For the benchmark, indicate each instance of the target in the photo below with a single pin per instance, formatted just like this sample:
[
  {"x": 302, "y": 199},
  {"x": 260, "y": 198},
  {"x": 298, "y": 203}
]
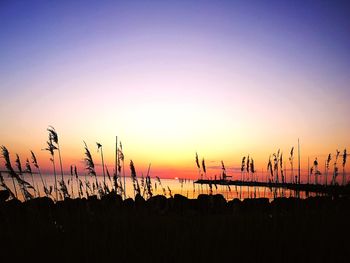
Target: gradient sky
[{"x": 224, "y": 78}]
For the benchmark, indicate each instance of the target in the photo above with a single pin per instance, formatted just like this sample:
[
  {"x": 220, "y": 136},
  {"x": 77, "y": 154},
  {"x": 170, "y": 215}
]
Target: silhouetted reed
[
  {"x": 335, "y": 168},
  {"x": 21, "y": 182},
  {"x": 90, "y": 167},
  {"x": 199, "y": 167},
  {"x": 344, "y": 163},
  {"x": 160, "y": 183},
  {"x": 291, "y": 160},
  {"x": 99, "y": 146},
  {"x": 269, "y": 168},
  {"x": 29, "y": 171},
  {"x": 327, "y": 167},
  {"x": 204, "y": 168},
  {"x": 134, "y": 179},
  {"x": 4, "y": 185},
  {"x": 242, "y": 168}
]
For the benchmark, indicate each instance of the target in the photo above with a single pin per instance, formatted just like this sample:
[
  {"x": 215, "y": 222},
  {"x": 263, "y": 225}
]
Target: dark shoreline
[
  {"x": 207, "y": 229},
  {"x": 332, "y": 190}
]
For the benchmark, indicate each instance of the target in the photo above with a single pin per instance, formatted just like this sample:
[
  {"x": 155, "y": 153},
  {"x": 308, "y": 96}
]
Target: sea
[{"x": 159, "y": 186}]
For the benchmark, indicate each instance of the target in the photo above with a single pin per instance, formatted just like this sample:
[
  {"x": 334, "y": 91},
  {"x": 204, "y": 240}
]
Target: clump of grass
[
  {"x": 248, "y": 167},
  {"x": 291, "y": 160},
  {"x": 90, "y": 167},
  {"x": 335, "y": 168},
  {"x": 344, "y": 163},
  {"x": 26, "y": 194},
  {"x": 160, "y": 183},
  {"x": 204, "y": 168},
  {"x": 99, "y": 146},
  {"x": 242, "y": 168},
  {"x": 224, "y": 175},
  {"x": 4, "y": 185},
  {"x": 198, "y": 166},
  {"x": 21, "y": 182},
  {"x": 170, "y": 194},
  {"x": 252, "y": 168},
  {"x": 29, "y": 171},
  {"x": 121, "y": 160},
  {"x": 269, "y": 168},
  {"x": 47, "y": 191},
  {"x": 327, "y": 167},
  {"x": 134, "y": 179},
  {"x": 51, "y": 149},
  {"x": 148, "y": 186},
  {"x": 281, "y": 168}
]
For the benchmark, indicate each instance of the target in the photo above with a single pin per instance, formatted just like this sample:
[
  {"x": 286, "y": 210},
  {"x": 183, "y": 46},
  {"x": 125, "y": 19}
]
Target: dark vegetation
[
  {"x": 102, "y": 224},
  {"x": 175, "y": 229}
]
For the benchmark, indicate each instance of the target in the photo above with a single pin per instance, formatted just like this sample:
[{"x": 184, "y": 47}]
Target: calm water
[{"x": 176, "y": 186}]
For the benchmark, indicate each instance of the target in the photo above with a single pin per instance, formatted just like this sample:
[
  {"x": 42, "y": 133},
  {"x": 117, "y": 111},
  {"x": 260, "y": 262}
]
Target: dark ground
[{"x": 207, "y": 229}]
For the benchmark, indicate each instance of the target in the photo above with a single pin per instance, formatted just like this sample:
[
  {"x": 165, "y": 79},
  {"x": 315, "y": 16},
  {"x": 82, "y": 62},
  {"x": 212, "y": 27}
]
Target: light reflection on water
[{"x": 184, "y": 187}]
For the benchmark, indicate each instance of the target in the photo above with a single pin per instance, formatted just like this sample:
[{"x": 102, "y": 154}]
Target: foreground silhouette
[{"x": 175, "y": 229}]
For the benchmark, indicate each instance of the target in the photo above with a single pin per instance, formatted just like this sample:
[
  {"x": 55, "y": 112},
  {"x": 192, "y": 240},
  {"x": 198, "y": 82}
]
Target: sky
[{"x": 172, "y": 78}]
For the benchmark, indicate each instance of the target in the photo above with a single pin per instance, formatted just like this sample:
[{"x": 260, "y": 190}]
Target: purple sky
[{"x": 221, "y": 77}]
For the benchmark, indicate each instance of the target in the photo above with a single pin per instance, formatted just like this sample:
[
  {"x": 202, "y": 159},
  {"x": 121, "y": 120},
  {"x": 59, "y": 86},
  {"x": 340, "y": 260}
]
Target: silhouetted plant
[
  {"x": 291, "y": 159},
  {"x": 247, "y": 168},
  {"x": 199, "y": 167},
  {"x": 134, "y": 179},
  {"x": 314, "y": 169},
  {"x": 26, "y": 194},
  {"x": 148, "y": 183},
  {"x": 269, "y": 168},
  {"x": 4, "y": 185},
  {"x": 160, "y": 183},
  {"x": 281, "y": 168},
  {"x": 223, "y": 170},
  {"x": 51, "y": 149},
  {"x": 121, "y": 160},
  {"x": 204, "y": 168},
  {"x": 29, "y": 171},
  {"x": 21, "y": 182},
  {"x": 335, "y": 168},
  {"x": 47, "y": 191},
  {"x": 90, "y": 167},
  {"x": 252, "y": 168},
  {"x": 344, "y": 163},
  {"x": 242, "y": 168},
  {"x": 327, "y": 166},
  {"x": 170, "y": 194},
  {"x": 99, "y": 146}
]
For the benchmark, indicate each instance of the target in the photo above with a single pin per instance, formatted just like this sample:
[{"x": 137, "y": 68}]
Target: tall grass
[
  {"x": 47, "y": 191},
  {"x": 121, "y": 158},
  {"x": 29, "y": 171},
  {"x": 269, "y": 168},
  {"x": 21, "y": 182},
  {"x": 90, "y": 167},
  {"x": 198, "y": 166},
  {"x": 247, "y": 168},
  {"x": 242, "y": 168},
  {"x": 134, "y": 179},
  {"x": 252, "y": 168},
  {"x": 291, "y": 161},
  {"x": 204, "y": 168},
  {"x": 51, "y": 149},
  {"x": 4, "y": 185},
  {"x": 335, "y": 167},
  {"x": 344, "y": 163},
  {"x": 224, "y": 175},
  {"x": 327, "y": 167}
]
